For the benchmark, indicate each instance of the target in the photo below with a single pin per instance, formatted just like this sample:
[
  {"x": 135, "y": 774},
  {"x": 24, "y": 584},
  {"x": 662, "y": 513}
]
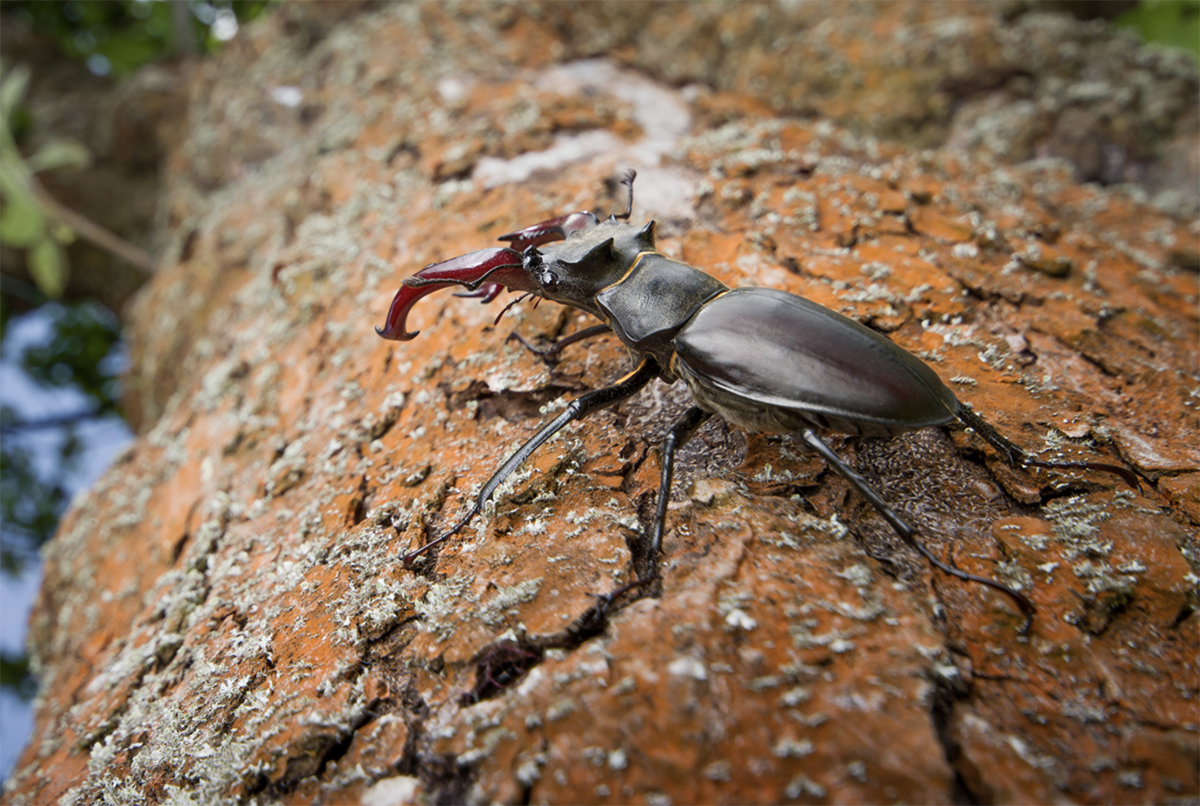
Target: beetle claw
[
  {"x": 555, "y": 229},
  {"x": 483, "y": 274},
  {"x": 485, "y": 293}
]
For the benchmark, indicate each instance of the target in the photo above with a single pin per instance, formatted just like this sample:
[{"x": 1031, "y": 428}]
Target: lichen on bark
[{"x": 225, "y": 617}]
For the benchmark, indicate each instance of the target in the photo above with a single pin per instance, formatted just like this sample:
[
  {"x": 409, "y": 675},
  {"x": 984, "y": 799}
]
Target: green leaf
[
  {"x": 11, "y": 89},
  {"x": 61, "y": 232},
  {"x": 59, "y": 153},
  {"x": 48, "y": 265},
  {"x": 1167, "y": 22},
  {"x": 22, "y": 223},
  {"x": 129, "y": 50},
  {"x": 12, "y": 177},
  {"x": 15, "y": 675}
]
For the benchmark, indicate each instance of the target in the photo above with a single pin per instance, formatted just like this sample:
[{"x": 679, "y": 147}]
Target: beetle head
[{"x": 574, "y": 271}]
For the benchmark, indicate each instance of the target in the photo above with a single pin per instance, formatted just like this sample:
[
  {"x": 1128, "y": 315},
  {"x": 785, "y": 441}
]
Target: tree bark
[{"x": 225, "y": 616}]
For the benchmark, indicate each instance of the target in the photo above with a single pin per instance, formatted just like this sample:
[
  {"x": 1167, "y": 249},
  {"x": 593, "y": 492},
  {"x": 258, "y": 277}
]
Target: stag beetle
[{"x": 763, "y": 359}]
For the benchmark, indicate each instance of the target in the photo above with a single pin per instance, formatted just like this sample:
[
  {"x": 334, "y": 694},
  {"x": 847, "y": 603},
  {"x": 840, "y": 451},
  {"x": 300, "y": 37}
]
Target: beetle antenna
[
  {"x": 500, "y": 315},
  {"x": 627, "y": 181}
]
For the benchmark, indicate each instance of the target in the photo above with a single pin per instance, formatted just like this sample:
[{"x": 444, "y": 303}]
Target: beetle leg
[
  {"x": 1018, "y": 458},
  {"x": 550, "y": 354},
  {"x": 681, "y": 432},
  {"x": 627, "y": 181},
  {"x": 577, "y": 409},
  {"x": 907, "y": 532}
]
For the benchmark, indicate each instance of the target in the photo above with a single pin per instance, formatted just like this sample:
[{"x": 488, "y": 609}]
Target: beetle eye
[{"x": 549, "y": 280}]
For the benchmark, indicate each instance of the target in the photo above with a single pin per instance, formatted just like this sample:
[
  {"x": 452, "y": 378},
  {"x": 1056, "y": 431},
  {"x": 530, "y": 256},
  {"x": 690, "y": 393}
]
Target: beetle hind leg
[
  {"x": 908, "y": 533},
  {"x": 1019, "y": 458}
]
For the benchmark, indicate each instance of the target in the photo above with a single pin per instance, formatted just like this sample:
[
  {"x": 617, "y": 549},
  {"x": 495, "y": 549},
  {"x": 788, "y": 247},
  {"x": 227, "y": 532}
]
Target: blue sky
[{"x": 102, "y": 440}]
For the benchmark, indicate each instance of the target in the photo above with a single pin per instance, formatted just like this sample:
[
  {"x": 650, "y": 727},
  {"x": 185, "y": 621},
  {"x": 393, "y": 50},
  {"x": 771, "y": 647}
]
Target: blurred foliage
[
  {"x": 29, "y": 505},
  {"x": 1167, "y": 22},
  {"x": 24, "y": 223},
  {"x": 119, "y": 37},
  {"x": 15, "y": 675},
  {"x": 82, "y": 355},
  {"x": 85, "y": 335}
]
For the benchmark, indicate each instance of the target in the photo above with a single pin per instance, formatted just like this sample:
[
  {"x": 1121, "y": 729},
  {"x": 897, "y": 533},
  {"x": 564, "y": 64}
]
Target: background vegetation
[
  {"x": 1175, "y": 23},
  {"x": 80, "y": 355},
  {"x": 119, "y": 37}
]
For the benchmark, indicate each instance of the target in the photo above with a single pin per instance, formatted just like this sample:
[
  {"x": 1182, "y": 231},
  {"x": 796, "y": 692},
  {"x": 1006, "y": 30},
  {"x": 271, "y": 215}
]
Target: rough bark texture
[{"x": 224, "y": 617}]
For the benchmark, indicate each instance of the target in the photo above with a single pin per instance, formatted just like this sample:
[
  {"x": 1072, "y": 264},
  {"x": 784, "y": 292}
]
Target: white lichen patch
[
  {"x": 788, "y": 747},
  {"x": 688, "y": 666},
  {"x": 868, "y": 611},
  {"x": 1100, "y": 578},
  {"x": 795, "y": 696},
  {"x": 738, "y": 619},
  {"x": 801, "y": 786},
  {"x": 858, "y": 575},
  {"x": 1074, "y": 522},
  {"x": 504, "y": 602},
  {"x": 561, "y": 709},
  {"x": 836, "y": 640},
  {"x": 442, "y": 604}
]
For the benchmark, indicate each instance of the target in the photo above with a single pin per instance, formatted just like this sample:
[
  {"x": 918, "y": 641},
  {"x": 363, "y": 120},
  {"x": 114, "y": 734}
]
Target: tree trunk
[{"x": 225, "y": 617}]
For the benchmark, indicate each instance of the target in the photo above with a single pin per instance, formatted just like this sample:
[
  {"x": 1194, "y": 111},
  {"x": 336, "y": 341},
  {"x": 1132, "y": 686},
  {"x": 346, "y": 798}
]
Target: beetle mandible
[{"x": 763, "y": 359}]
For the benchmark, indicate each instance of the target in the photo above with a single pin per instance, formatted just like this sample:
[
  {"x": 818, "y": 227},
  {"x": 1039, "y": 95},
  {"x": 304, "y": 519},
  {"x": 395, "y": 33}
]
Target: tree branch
[
  {"x": 54, "y": 421},
  {"x": 91, "y": 231}
]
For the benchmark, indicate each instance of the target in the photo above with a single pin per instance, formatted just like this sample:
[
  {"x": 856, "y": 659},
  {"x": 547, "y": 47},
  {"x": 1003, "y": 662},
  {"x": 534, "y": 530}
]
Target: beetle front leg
[
  {"x": 550, "y": 354},
  {"x": 907, "y": 532},
  {"x": 577, "y": 409}
]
